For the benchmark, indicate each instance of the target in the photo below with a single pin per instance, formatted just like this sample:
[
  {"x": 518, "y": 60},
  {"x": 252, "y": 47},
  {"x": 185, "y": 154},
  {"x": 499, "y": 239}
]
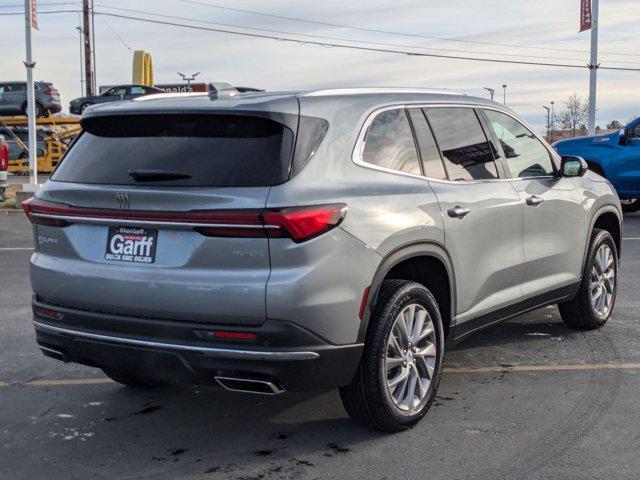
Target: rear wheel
[
  {"x": 592, "y": 306},
  {"x": 630, "y": 205},
  {"x": 37, "y": 110},
  {"x": 131, "y": 379},
  {"x": 401, "y": 365}
]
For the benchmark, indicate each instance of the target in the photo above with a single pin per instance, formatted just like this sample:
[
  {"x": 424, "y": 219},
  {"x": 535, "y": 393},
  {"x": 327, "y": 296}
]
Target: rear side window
[
  {"x": 389, "y": 143},
  {"x": 429, "y": 153},
  {"x": 467, "y": 152},
  {"x": 184, "y": 150}
]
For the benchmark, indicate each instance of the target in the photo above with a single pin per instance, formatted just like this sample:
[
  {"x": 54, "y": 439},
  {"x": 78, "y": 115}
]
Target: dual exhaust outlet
[{"x": 233, "y": 384}]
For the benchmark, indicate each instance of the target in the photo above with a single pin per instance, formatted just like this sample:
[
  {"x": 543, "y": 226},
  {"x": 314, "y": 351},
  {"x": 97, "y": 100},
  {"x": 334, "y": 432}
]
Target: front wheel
[
  {"x": 401, "y": 365},
  {"x": 630, "y": 205},
  {"x": 593, "y": 304}
]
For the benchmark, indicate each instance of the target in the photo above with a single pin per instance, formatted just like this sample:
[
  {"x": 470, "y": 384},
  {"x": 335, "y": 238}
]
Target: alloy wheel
[
  {"x": 410, "y": 358},
  {"x": 602, "y": 281}
]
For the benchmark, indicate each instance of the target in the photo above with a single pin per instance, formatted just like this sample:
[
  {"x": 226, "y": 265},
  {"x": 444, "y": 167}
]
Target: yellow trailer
[{"x": 55, "y": 145}]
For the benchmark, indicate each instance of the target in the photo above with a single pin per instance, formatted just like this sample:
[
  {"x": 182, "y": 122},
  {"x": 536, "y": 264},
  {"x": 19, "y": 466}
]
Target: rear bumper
[{"x": 286, "y": 355}]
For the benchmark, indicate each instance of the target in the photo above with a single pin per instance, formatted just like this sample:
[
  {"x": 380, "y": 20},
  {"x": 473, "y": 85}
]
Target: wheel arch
[
  {"x": 423, "y": 262},
  {"x": 609, "y": 218}
]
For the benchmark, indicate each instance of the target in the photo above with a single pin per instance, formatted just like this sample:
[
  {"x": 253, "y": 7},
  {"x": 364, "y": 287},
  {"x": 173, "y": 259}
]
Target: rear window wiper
[{"x": 153, "y": 175}]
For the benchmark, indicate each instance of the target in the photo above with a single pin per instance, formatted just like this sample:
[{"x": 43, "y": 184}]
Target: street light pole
[
  {"x": 491, "y": 91},
  {"x": 548, "y": 109},
  {"x": 31, "y": 117},
  {"x": 504, "y": 94},
  {"x": 593, "y": 67}
]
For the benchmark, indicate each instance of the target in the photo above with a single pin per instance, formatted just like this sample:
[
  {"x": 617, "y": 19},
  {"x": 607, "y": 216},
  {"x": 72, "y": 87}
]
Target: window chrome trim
[{"x": 358, "y": 149}]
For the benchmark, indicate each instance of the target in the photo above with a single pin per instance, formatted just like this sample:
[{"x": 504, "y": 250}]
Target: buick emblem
[{"x": 122, "y": 199}]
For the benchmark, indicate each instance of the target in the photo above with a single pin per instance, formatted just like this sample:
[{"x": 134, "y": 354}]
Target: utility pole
[
  {"x": 93, "y": 48},
  {"x": 593, "y": 67},
  {"x": 548, "y": 109},
  {"x": 504, "y": 94},
  {"x": 29, "y": 12},
  {"x": 491, "y": 91},
  {"x": 86, "y": 28}
]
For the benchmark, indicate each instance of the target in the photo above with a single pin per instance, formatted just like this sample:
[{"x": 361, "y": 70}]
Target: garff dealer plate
[{"x": 131, "y": 244}]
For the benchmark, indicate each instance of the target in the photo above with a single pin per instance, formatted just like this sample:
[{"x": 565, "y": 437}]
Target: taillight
[
  {"x": 297, "y": 223},
  {"x": 49, "y": 91},
  {"x": 304, "y": 223},
  {"x": 4, "y": 156},
  {"x": 41, "y": 213}
]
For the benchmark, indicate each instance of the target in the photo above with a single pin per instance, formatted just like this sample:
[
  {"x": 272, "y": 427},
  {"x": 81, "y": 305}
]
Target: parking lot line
[
  {"x": 14, "y": 249},
  {"x": 79, "y": 381},
  {"x": 631, "y": 238},
  {"x": 544, "y": 368},
  {"x": 494, "y": 369}
]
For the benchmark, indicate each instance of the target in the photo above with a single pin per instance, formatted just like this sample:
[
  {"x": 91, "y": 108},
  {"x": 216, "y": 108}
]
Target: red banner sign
[
  {"x": 585, "y": 15},
  {"x": 34, "y": 19}
]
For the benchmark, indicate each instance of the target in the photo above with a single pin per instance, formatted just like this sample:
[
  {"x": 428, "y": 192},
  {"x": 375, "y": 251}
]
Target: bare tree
[
  {"x": 614, "y": 125},
  {"x": 575, "y": 115}
]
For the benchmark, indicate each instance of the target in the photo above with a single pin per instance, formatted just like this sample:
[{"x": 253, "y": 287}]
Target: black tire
[
  {"x": 631, "y": 205},
  {"x": 38, "y": 108},
  {"x": 132, "y": 379},
  {"x": 580, "y": 313},
  {"x": 367, "y": 399}
]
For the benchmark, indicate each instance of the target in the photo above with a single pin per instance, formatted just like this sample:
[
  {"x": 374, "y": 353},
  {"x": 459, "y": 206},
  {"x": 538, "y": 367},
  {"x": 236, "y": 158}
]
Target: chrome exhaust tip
[
  {"x": 53, "y": 353},
  {"x": 249, "y": 385}
]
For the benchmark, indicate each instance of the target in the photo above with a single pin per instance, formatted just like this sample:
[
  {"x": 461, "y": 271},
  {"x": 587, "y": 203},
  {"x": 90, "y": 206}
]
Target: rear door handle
[
  {"x": 534, "y": 200},
  {"x": 458, "y": 212}
]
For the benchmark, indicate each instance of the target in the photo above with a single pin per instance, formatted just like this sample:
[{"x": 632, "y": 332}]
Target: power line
[
  {"x": 342, "y": 39},
  {"x": 389, "y": 32},
  {"x": 354, "y": 47}
]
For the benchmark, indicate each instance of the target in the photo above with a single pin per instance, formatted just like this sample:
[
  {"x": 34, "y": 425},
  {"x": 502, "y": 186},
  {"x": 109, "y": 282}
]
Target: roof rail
[{"x": 369, "y": 90}]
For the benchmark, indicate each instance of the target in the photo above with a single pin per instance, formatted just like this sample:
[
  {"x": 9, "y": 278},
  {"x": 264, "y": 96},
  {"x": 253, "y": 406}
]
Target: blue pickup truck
[{"x": 615, "y": 156}]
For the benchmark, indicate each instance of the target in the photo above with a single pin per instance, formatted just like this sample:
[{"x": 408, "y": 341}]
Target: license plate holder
[{"x": 131, "y": 245}]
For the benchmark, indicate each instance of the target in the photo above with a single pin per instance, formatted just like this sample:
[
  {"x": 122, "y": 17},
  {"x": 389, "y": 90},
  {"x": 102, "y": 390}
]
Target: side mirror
[
  {"x": 624, "y": 138},
  {"x": 573, "y": 166}
]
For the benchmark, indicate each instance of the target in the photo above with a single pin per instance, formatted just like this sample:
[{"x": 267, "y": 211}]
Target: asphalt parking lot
[{"x": 526, "y": 399}]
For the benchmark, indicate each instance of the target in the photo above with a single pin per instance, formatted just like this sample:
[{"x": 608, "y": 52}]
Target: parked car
[
  {"x": 112, "y": 94},
  {"x": 334, "y": 238},
  {"x": 18, "y": 140},
  {"x": 615, "y": 156},
  {"x": 4, "y": 165},
  {"x": 13, "y": 98}
]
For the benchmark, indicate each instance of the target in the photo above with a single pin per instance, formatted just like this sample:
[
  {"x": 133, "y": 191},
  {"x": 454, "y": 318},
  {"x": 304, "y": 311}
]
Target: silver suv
[{"x": 336, "y": 238}]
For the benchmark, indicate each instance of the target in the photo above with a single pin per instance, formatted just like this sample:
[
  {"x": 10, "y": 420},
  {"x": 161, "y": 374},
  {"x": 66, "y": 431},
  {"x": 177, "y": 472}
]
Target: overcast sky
[{"x": 277, "y": 65}]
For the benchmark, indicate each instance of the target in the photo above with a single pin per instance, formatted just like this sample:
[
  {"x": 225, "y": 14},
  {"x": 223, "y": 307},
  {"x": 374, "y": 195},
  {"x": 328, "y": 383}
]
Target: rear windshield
[{"x": 180, "y": 150}]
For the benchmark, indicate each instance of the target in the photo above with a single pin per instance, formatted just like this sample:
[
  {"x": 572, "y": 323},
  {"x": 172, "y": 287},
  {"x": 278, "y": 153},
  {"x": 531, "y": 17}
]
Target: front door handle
[
  {"x": 534, "y": 200},
  {"x": 458, "y": 212}
]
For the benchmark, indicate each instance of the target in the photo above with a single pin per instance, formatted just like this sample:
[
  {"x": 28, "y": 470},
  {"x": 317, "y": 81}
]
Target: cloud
[{"x": 284, "y": 65}]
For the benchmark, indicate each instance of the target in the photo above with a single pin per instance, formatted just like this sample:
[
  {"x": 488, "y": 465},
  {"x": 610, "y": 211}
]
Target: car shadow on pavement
[
  {"x": 529, "y": 328},
  {"x": 198, "y": 430}
]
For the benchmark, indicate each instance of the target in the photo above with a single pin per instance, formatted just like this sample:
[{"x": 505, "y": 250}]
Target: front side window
[
  {"x": 467, "y": 152},
  {"x": 137, "y": 90},
  {"x": 525, "y": 155},
  {"x": 117, "y": 91},
  {"x": 389, "y": 143}
]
